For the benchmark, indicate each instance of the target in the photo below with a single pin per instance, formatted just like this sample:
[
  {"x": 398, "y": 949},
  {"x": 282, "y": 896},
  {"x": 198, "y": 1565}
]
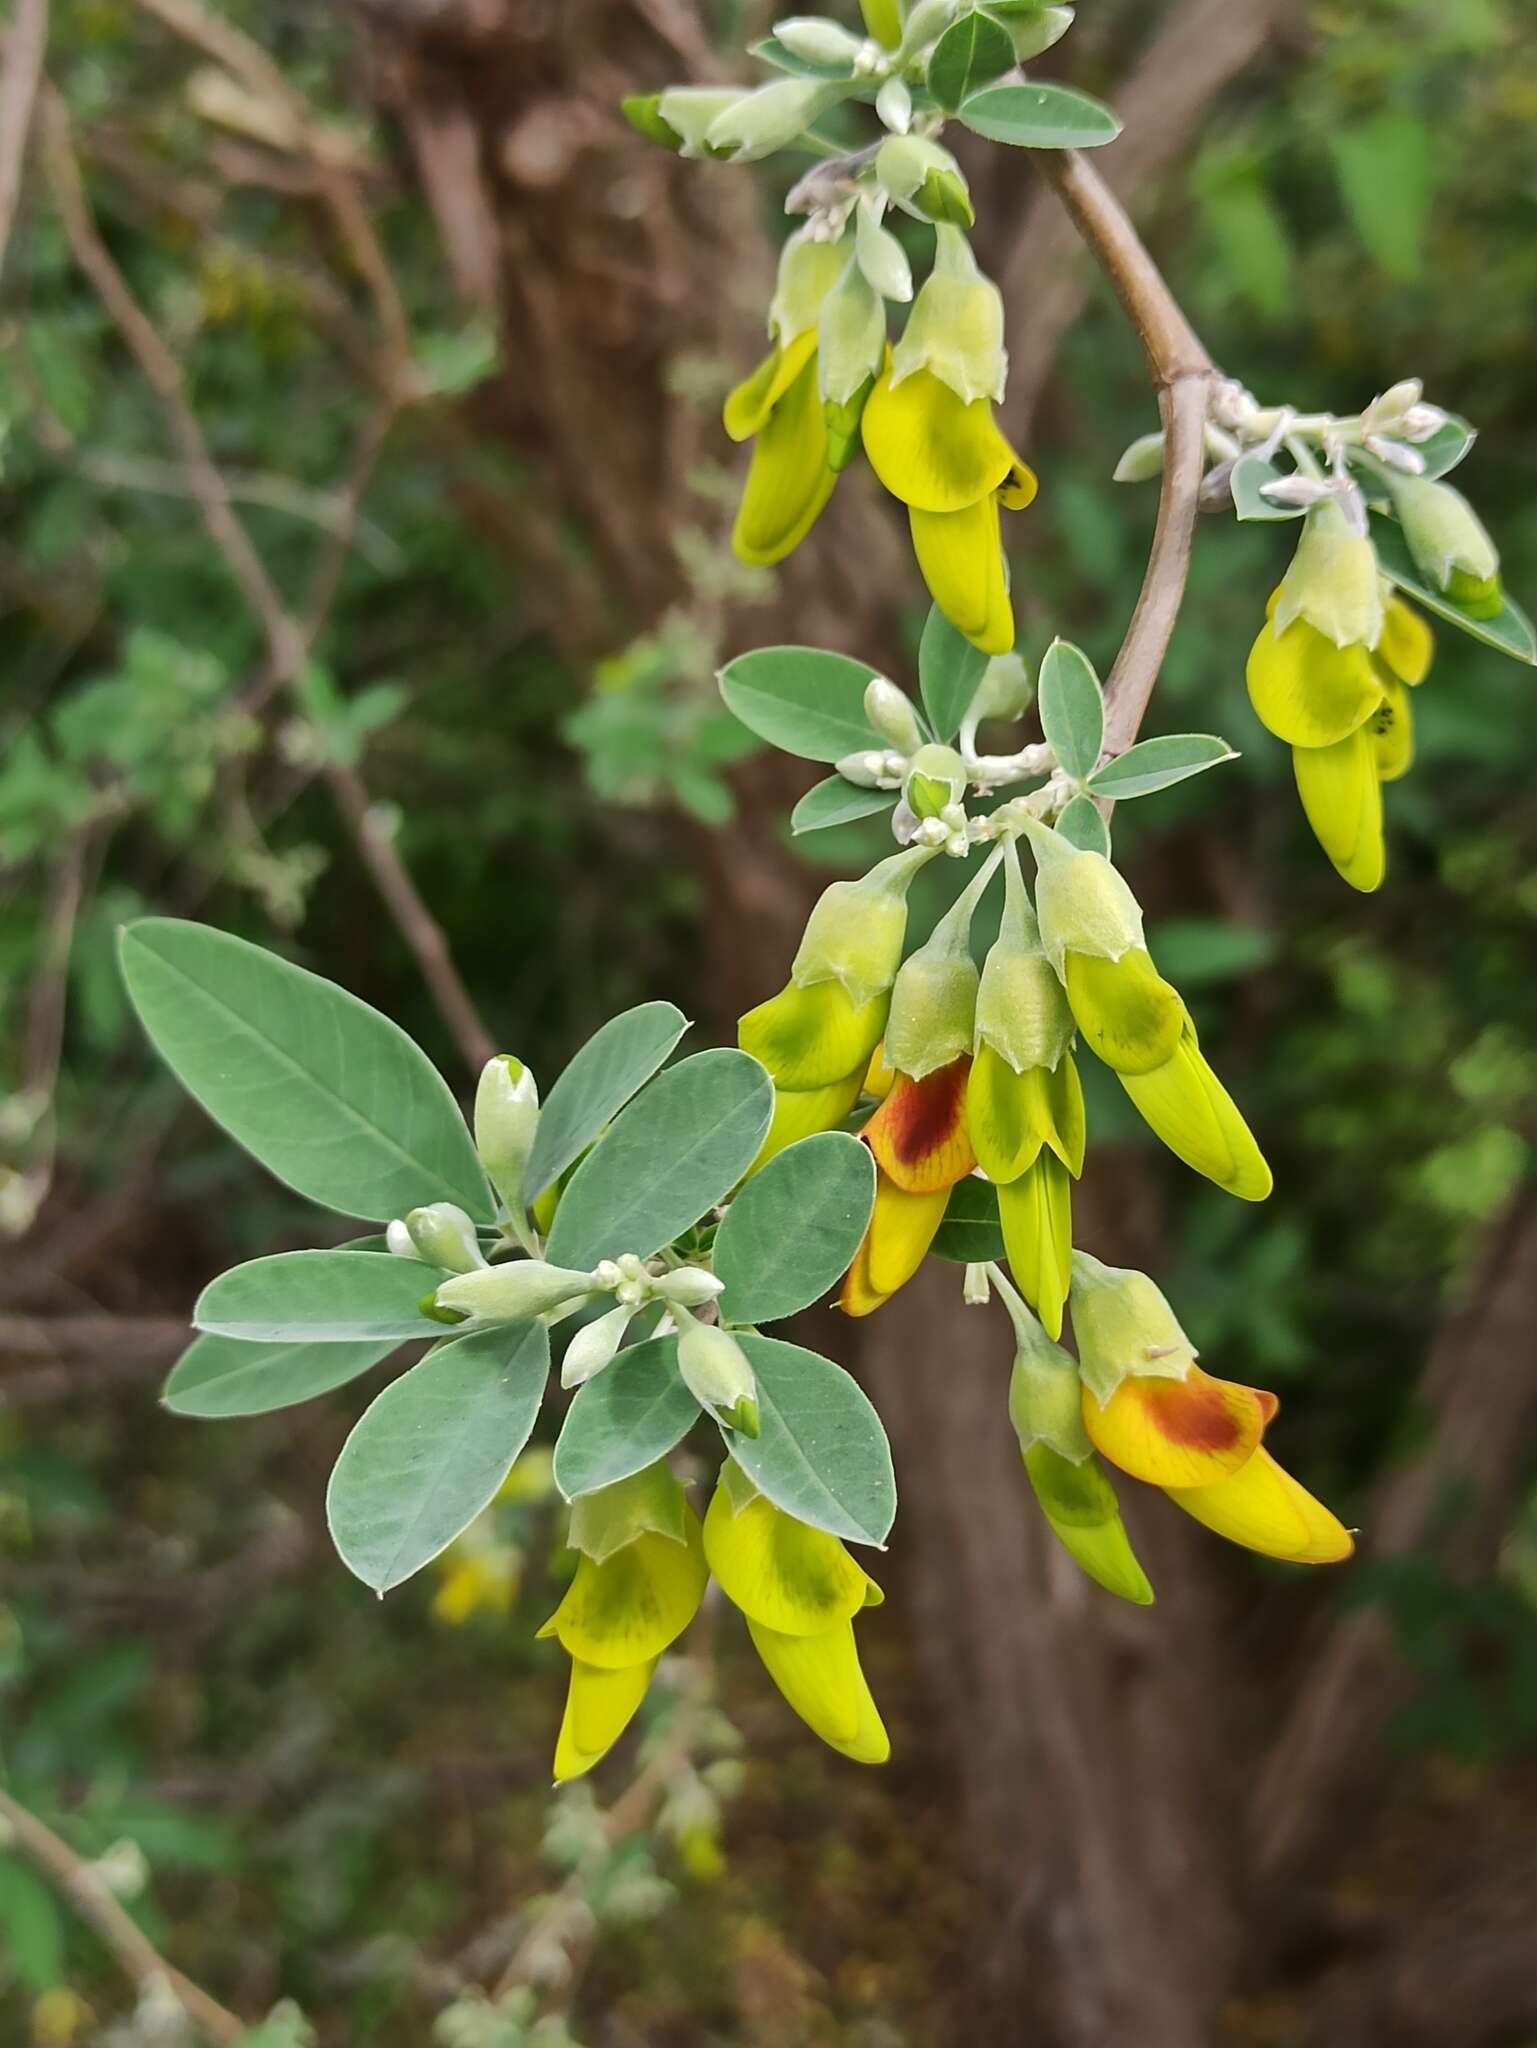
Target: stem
[
  {"x": 25, "y": 45},
  {"x": 1182, "y": 374}
]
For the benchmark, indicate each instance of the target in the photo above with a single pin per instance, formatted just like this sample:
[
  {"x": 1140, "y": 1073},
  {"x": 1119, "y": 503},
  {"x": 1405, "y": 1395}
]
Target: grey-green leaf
[
  {"x": 220, "y": 1376},
  {"x": 618, "y": 1059},
  {"x": 683, "y": 1143},
  {"x": 836, "y": 802},
  {"x": 1510, "y": 630},
  {"x": 950, "y": 672},
  {"x": 821, "y": 1453},
  {"x": 433, "y": 1450},
  {"x": 792, "y": 1232},
  {"x": 802, "y": 700},
  {"x": 633, "y": 1413},
  {"x": 1159, "y": 764},
  {"x": 1072, "y": 709},
  {"x": 321, "y": 1298},
  {"x": 1082, "y": 823},
  {"x": 329, "y": 1095},
  {"x": 970, "y": 1233},
  {"x": 1445, "y": 448},
  {"x": 1246, "y": 481},
  {"x": 1040, "y": 117},
  {"x": 971, "y": 53}
]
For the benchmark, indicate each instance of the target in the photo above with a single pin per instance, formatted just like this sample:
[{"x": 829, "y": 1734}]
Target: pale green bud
[
  {"x": 514, "y": 1292},
  {"x": 891, "y": 712},
  {"x": 928, "y": 20},
  {"x": 688, "y": 1287},
  {"x": 882, "y": 259},
  {"x": 1082, "y": 903},
  {"x": 770, "y": 118},
  {"x": 934, "y": 999},
  {"x": 955, "y": 329},
  {"x": 506, "y": 1118},
  {"x": 688, "y": 110},
  {"x": 851, "y": 338},
  {"x": 649, "y": 1502},
  {"x": 1141, "y": 462},
  {"x": 1124, "y": 1328},
  {"x": 1446, "y": 536},
  {"x": 1045, "y": 1392},
  {"x": 1022, "y": 1008},
  {"x": 864, "y": 770},
  {"x": 400, "y": 1241},
  {"x": 643, "y": 111},
  {"x": 903, "y": 162},
  {"x": 936, "y": 779},
  {"x": 945, "y": 199},
  {"x": 1397, "y": 400},
  {"x": 1333, "y": 581},
  {"x": 854, "y": 934},
  {"x": 808, "y": 271},
  {"x": 594, "y": 1346},
  {"x": 1005, "y": 691},
  {"x": 716, "y": 1372},
  {"x": 894, "y": 106},
  {"x": 444, "y": 1236},
  {"x": 816, "y": 41},
  {"x": 1034, "y": 33}
]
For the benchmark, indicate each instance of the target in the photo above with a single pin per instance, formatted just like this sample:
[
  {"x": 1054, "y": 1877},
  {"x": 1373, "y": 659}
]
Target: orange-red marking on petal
[{"x": 918, "y": 1134}]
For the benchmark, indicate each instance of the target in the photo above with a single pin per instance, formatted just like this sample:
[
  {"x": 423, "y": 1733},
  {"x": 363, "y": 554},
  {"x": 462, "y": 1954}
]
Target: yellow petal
[
  {"x": 801, "y": 1112},
  {"x": 1199, "y": 1121},
  {"x": 960, "y": 556},
  {"x": 918, "y": 1134},
  {"x": 812, "y": 1037},
  {"x": 1125, "y": 1009},
  {"x": 1342, "y": 796},
  {"x": 1308, "y": 691},
  {"x": 1019, "y": 487},
  {"x": 749, "y": 405},
  {"x": 1392, "y": 731},
  {"x": 879, "y": 1078},
  {"x": 1407, "y": 644},
  {"x": 1263, "y": 1508},
  {"x": 781, "y": 1572},
  {"x": 600, "y": 1705},
  {"x": 821, "y": 1677},
  {"x": 1079, "y": 1503},
  {"x": 789, "y": 479},
  {"x": 930, "y": 448},
  {"x": 627, "y": 1609},
  {"x": 1011, "y": 1116},
  {"x": 1036, "y": 1212},
  {"x": 902, "y": 1228},
  {"x": 1170, "y": 1432}
]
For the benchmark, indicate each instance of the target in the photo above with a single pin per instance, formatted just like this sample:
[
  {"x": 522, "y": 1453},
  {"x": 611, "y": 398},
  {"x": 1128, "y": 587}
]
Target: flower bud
[
  {"x": 688, "y": 111},
  {"x": 1397, "y": 400},
  {"x": 925, "y": 178},
  {"x": 506, "y": 1118},
  {"x": 883, "y": 261},
  {"x": 444, "y": 1236},
  {"x": 594, "y": 1346},
  {"x": 864, "y": 770},
  {"x": 716, "y": 1372},
  {"x": 808, "y": 272},
  {"x": 936, "y": 780},
  {"x": 1045, "y": 1393},
  {"x": 1142, "y": 461},
  {"x": 400, "y": 1241},
  {"x": 851, "y": 337},
  {"x": 934, "y": 998},
  {"x": 1448, "y": 542},
  {"x": 930, "y": 18},
  {"x": 770, "y": 117},
  {"x": 1005, "y": 691},
  {"x": 1124, "y": 1328},
  {"x": 955, "y": 329},
  {"x": 1022, "y": 1009},
  {"x": 816, "y": 41},
  {"x": 891, "y": 712},
  {"x": 688, "y": 1287},
  {"x": 883, "y": 21},
  {"x": 854, "y": 934},
  {"x": 1082, "y": 903},
  {"x": 643, "y": 111},
  {"x": 1333, "y": 581},
  {"x": 514, "y": 1292}
]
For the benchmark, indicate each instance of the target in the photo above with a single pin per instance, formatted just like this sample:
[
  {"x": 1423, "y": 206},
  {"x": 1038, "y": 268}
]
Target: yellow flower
[
  {"x": 800, "y": 1590},
  {"x": 921, "y": 1147}
]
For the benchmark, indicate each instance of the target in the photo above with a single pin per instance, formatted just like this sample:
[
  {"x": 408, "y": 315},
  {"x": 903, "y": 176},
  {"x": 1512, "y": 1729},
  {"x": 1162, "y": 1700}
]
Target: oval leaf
[
  {"x": 433, "y": 1450},
  {"x": 617, "y": 1060},
  {"x": 1247, "y": 480},
  {"x": 1083, "y": 825},
  {"x": 802, "y": 700},
  {"x": 321, "y": 1298},
  {"x": 219, "y": 1376},
  {"x": 1510, "y": 630},
  {"x": 1040, "y": 117},
  {"x": 1072, "y": 709},
  {"x": 1446, "y": 447},
  {"x": 970, "y": 54},
  {"x": 970, "y": 1233},
  {"x": 950, "y": 671},
  {"x": 330, "y": 1096},
  {"x": 624, "y": 1420},
  {"x": 1159, "y": 764},
  {"x": 821, "y": 1454},
  {"x": 683, "y": 1143},
  {"x": 791, "y": 1233},
  {"x": 836, "y": 802}
]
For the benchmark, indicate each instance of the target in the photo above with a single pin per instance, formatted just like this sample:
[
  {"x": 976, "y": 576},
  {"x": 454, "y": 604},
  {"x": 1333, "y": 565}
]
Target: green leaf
[
  {"x": 626, "y": 1418},
  {"x": 1159, "y": 764},
  {"x": 1387, "y": 180},
  {"x": 836, "y": 802},
  {"x": 321, "y": 1298},
  {"x": 970, "y": 54},
  {"x": 219, "y": 1376},
  {"x": 330, "y": 1096},
  {"x": 32, "y": 1925},
  {"x": 1510, "y": 630},
  {"x": 821, "y": 1454},
  {"x": 683, "y": 1144},
  {"x": 970, "y": 1233},
  {"x": 1040, "y": 117},
  {"x": 791, "y": 1233},
  {"x": 1072, "y": 709},
  {"x": 802, "y": 700},
  {"x": 619, "y": 1058},
  {"x": 1200, "y": 951},
  {"x": 1082, "y": 824},
  {"x": 1446, "y": 447},
  {"x": 950, "y": 672},
  {"x": 1246, "y": 480},
  {"x": 1247, "y": 230},
  {"x": 433, "y": 1450}
]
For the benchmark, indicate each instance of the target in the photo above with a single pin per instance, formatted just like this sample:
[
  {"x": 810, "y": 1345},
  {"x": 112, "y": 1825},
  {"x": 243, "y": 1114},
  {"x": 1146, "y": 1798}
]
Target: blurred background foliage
[{"x": 298, "y": 1794}]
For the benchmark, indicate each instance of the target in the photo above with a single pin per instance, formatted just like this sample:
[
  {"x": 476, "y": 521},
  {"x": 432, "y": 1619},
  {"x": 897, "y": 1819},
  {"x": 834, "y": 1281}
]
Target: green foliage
[
  {"x": 619, "y": 1058},
  {"x": 792, "y": 1231},
  {"x": 949, "y": 671},
  {"x": 821, "y": 1455},
  {"x": 320, "y": 1298},
  {"x": 802, "y": 700},
  {"x": 633, "y": 1413},
  {"x": 220, "y": 1376},
  {"x": 1040, "y": 117},
  {"x": 1072, "y": 709},
  {"x": 1160, "y": 763}
]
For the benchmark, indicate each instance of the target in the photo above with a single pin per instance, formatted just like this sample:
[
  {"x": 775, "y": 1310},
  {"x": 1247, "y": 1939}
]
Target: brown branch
[
  {"x": 88, "y": 1893},
  {"x": 25, "y": 46}
]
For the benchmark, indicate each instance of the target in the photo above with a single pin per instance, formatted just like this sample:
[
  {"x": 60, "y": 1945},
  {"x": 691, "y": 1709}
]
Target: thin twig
[
  {"x": 25, "y": 46},
  {"x": 88, "y": 1893}
]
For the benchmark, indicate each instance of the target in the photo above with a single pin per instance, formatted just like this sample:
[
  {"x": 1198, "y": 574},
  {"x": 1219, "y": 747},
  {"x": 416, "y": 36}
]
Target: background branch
[{"x": 25, "y": 45}]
